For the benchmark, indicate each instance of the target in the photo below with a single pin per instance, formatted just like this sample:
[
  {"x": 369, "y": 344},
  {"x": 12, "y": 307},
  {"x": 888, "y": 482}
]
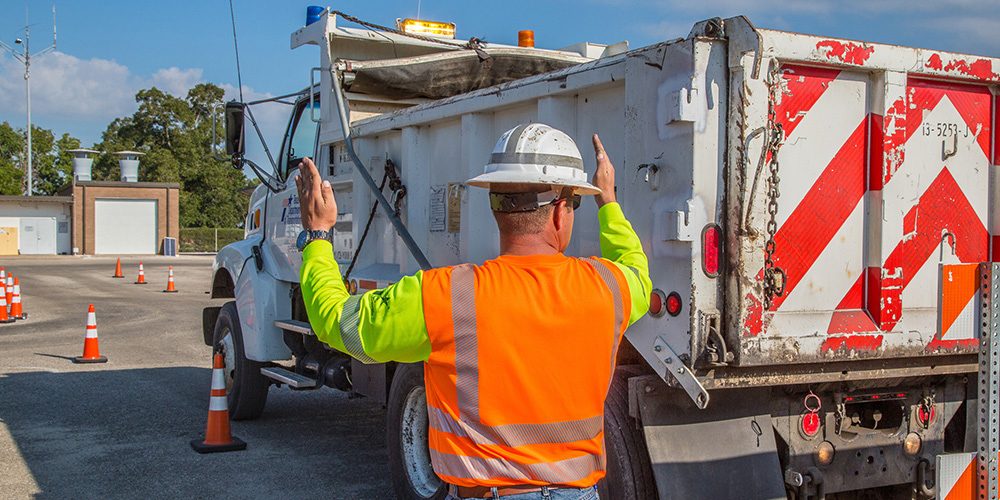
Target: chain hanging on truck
[
  {"x": 398, "y": 193},
  {"x": 774, "y": 276}
]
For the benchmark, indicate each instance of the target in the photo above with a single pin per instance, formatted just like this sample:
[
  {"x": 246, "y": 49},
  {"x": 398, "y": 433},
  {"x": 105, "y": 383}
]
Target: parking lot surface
[{"x": 121, "y": 429}]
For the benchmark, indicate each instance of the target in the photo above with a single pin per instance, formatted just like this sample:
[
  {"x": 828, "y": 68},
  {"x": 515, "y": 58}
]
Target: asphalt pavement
[{"x": 122, "y": 429}]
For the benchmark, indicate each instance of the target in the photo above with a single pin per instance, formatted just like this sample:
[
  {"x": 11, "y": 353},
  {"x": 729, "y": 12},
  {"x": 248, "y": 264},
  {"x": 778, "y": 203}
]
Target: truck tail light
[
  {"x": 674, "y": 303},
  {"x": 656, "y": 300},
  {"x": 710, "y": 246}
]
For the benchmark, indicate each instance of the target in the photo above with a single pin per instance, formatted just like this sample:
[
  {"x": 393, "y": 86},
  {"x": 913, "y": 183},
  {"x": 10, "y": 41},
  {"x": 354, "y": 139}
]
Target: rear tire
[
  {"x": 630, "y": 474},
  {"x": 246, "y": 387},
  {"x": 413, "y": 477}
]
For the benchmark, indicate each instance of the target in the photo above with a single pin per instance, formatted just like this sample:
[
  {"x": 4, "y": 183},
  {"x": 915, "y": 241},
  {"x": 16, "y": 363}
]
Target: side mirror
[{"x": 235, "y": 143}]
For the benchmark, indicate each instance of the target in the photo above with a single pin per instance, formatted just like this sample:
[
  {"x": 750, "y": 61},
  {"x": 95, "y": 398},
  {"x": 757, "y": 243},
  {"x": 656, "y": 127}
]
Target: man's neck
[{"x": 529, "y": 245}]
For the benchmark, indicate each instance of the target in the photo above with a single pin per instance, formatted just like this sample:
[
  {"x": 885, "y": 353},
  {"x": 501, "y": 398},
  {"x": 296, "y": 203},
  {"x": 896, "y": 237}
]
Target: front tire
[
  {"x": 413, "y": 477},
  {"x": 630, "y": 474},
  {"x": 246, "y": 387}
]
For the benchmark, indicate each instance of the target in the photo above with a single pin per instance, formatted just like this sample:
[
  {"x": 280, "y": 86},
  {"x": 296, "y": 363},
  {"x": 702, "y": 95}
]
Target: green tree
[
  {"x": 11, "y": 150},
  {"x": 176, "y": 136}
]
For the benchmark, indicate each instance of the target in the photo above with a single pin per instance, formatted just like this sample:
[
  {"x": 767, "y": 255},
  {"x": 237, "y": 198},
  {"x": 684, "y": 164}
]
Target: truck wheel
[
  {"x": 630, "y": 475},
  {"x": 246, "y": 387},
  {"x": 413, "y": 477}
]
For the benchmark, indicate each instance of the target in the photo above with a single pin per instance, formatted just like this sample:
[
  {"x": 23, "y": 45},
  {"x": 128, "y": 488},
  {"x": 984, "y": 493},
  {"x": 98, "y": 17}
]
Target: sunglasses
[{"x": 575, "y": 200}]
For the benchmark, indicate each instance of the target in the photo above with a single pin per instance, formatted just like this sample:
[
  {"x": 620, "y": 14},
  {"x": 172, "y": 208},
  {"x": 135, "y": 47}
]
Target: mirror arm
[{"x": 260, "y": 135}]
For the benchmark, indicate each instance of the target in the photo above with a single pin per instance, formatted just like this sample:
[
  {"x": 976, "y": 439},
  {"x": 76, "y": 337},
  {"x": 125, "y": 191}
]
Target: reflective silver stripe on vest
[
  {"x": 349, "y": 333},
  {"x": 514, "y": 435},
  {"x": 612, "y": 283},
  {"x": 563, "y": 471},
  {"x": 463, "y": 313}
]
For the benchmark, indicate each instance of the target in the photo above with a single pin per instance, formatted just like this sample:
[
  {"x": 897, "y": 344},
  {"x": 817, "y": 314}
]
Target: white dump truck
[{"x": 817, "y": 215}]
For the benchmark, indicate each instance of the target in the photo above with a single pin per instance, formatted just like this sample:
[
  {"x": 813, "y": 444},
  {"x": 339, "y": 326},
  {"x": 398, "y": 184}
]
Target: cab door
[{"x": 284, "y": 221}]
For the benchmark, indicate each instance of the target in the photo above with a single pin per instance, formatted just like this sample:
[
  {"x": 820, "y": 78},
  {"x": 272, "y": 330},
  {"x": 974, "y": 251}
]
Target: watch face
[{"x": 300, "y": 243}]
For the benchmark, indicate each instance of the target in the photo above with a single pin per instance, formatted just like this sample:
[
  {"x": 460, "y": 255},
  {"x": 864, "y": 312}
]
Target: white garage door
[{"x": 125, "y": 226}]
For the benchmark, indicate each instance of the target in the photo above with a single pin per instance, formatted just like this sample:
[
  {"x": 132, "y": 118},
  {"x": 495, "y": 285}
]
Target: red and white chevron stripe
[{"x": 867, "y": 197}]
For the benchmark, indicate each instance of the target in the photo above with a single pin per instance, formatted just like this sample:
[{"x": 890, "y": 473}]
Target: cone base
[
  {"x": 141, "y": 282},
  {"x": 200, "y": 446},
  {"x": 81, "y": 359},
  {"x": 117, "y": 276},
  {"x": 170, "y": 291},
  {"x": 9, "y": 320}
]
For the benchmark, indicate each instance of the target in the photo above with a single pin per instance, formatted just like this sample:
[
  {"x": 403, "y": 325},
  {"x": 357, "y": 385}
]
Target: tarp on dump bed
[{"x": 446, "y": 74}]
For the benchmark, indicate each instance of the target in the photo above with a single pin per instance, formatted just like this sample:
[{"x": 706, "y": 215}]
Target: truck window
[{"x": 303, "y": 137}]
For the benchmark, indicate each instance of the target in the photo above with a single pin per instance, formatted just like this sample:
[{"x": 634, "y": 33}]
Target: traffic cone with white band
[
  {"x": 91, "y": 351},
  {"x": 170, "y": 281},
  {"x": 16, "y": 311},
  {"x": 217, "y": 434},
  {"x": 3, "y": 311},
  {"x": 142, "y": 276},
  {"x": 118, "y": 269},
  {"x": 10, "y": 289}
]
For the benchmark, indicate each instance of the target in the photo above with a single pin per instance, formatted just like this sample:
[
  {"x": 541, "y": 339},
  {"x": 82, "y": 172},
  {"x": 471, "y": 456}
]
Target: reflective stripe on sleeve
[
  {"x": 563, "y": 471},
  {"x": 349, "y": 333},
  {"x": 514, "y": 435},
  {"x": 463, "y": 307}
]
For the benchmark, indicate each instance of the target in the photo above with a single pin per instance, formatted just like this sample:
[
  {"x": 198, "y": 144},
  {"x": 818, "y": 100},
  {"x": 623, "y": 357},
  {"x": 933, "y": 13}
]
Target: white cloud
[{"x": 89, "y": 90}]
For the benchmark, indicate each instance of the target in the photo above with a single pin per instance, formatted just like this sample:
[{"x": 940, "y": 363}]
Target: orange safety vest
[{"x": 522, "y": 354}]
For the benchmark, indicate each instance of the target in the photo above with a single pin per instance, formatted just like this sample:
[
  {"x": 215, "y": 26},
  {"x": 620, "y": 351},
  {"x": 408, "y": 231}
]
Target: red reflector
[
  {"x": 926, "y": 417},
  {"x": 810, "y": 424},
  {"x": 656, "y": 303},
  {"x": 710, "y": 250},
  {"x": 674, "y": 303}
]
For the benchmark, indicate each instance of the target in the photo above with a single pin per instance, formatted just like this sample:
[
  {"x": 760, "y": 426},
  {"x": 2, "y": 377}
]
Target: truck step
[
  {"x": 294, "y": 326},
  {"x": 294, "y": 380}
]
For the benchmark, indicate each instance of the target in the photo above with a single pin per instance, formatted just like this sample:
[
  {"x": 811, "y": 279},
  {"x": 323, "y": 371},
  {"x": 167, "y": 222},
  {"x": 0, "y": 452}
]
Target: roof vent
[
  {"x": 128, "y": 162},
  {"x": 83, "y": 159}
]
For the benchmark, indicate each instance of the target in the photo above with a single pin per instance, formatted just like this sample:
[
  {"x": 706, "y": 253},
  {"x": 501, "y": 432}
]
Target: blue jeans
[{"x": 588, "y": 493}]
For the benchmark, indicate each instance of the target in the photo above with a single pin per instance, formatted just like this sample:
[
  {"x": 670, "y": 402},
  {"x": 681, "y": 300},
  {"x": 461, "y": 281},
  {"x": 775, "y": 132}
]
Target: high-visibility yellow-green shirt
[{"x": 388, "y": 324}]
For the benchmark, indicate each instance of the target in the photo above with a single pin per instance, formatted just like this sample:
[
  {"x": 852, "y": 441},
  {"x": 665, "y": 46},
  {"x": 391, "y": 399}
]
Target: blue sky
[{"x": 108, "y": 50}]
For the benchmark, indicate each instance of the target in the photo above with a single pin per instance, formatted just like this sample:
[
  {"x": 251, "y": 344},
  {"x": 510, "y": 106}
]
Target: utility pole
[{"x": 25, "y": 58}]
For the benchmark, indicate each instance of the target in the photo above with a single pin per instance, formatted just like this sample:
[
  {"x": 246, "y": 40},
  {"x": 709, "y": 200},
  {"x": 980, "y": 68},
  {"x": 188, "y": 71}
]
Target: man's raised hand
[
  {"x": 316, "y": 201},
  {"x": 604, "y": 177}
]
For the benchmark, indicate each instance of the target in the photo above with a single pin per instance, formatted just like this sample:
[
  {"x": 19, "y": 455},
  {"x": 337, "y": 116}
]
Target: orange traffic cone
[
  {"x": 217, "y": 434},
  {"x": 16, "y": 311},
  {"x": 91, "y": 351},
  {"x": 142, "y": 276},
  {"x": 170, "y": 281},
  {"x": 118, "y": 269},
  {"x": 9, "y": 289},
  {"x": 3, "y": 311}
]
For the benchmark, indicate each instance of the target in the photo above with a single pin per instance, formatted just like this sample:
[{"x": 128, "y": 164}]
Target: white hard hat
[{"x": 535, "y": 153}]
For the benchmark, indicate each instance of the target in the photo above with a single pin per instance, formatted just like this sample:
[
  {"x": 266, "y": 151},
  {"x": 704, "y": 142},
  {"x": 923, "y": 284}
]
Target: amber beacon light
[
  {"x": 426, "y": 28},
  {"x": 525, "y": 38}
]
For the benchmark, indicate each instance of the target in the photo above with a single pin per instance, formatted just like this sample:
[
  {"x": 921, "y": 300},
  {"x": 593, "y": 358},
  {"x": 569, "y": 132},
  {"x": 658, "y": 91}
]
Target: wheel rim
[
  {"x": 228, "y": 350},
  {"x": 416, "y": 454}
]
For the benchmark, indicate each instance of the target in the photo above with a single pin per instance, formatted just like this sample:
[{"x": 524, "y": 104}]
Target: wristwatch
[{"x": 308, "y": 235}]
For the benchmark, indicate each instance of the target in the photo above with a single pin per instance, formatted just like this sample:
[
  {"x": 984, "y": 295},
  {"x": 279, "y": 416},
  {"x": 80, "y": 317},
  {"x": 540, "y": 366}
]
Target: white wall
[{"x": 11, "y": 213}]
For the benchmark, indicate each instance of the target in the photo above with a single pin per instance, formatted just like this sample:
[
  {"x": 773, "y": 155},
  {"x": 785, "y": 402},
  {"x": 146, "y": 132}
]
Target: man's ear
[{"x": 559, "y": 214}]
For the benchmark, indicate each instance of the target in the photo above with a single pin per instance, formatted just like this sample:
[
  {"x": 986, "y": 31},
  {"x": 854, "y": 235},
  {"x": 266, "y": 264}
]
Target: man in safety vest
[{"x": 518, "y": 352}]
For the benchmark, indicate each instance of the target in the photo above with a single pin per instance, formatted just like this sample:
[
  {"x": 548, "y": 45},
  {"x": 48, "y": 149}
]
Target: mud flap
[{"x": 724, "y": 451}]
